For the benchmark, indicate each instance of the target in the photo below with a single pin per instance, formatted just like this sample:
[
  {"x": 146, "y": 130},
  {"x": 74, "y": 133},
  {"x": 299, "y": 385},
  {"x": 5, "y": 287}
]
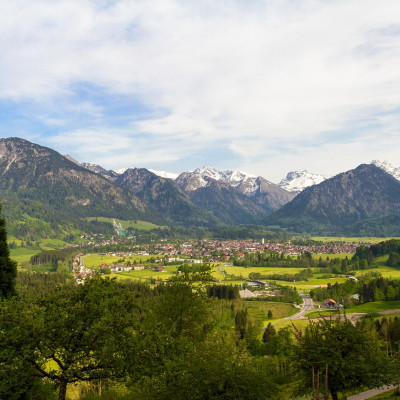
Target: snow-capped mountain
[
  {"x": 200, "y": 177},
  {"x": 164, "y": 174},
  {"x": 389, "y": 168},
  {"x": 297, "y": 181},
  {"x": 261, "y": 191}
]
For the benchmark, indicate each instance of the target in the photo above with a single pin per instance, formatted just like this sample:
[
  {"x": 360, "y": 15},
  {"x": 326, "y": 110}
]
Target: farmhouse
[{"x": 330, "y": 303}]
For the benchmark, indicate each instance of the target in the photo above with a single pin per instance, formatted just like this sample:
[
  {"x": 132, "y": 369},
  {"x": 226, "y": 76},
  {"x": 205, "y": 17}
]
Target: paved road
[
  {"x": 307, "y": 306},
  {"x": 371, "y": 393}
]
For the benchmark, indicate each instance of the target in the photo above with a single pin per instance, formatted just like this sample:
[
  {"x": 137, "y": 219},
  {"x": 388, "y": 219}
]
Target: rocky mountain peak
[
  {"x": 389, "y": 168},
  {"x": 296, "y": 181}
]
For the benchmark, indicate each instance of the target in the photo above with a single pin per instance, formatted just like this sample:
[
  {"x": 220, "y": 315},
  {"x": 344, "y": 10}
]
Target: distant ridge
[{"x": 344, "y": 203}]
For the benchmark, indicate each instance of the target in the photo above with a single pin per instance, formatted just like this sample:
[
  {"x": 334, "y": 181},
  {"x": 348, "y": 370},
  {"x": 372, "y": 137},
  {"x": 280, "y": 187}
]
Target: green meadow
[
  {"x": 258, "y": 310},
  {"x": 94, "y": 260},
  {"x": 321, "y": 313},
  {"x": 364, "y": 239},
  {"x": 147, "y": 274},
  {"x": 134, "y": 224},
  {"x": 245, "y": 271},
  {"x": 374, "y": 306},
  {"x": 324, "y": 257},
  {"x": 22, "y": 255}
]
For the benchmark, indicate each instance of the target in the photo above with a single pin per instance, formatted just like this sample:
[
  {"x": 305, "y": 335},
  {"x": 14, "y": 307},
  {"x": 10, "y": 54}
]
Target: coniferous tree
[{"x": 8, "y": 267}]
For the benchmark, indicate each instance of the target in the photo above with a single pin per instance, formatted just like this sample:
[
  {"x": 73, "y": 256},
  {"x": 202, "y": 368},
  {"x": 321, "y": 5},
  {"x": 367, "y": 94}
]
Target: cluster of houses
[{"x": 220, "y": 251}]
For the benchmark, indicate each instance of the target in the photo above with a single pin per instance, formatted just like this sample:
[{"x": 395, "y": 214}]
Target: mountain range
[{"x": 43, "y": 191}]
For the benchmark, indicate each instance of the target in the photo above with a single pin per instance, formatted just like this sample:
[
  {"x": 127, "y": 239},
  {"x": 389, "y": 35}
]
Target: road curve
[{"x": 307, "y": 306}]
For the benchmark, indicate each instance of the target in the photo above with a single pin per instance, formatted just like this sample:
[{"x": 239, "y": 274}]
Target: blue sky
[{"x": 262, "y": 86}]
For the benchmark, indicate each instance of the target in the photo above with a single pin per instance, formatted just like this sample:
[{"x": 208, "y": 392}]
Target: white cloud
[{"x": 259, "y": 75}]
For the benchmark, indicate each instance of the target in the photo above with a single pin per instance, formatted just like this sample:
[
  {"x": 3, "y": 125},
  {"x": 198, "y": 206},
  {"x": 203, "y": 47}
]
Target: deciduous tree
[{"x": 352, "y": 353}]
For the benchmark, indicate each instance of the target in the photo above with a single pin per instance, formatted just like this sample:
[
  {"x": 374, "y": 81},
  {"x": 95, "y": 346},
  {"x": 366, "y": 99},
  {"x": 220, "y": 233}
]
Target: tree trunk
[
  {"x": 334, "y": 395},
  {"x": 63, "y": 390}
]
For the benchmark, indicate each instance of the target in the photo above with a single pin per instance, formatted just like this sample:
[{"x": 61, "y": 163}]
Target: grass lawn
[
  {"x": 245, "y": 271},
  {"x": 52, "y": 244},
  {"x": 374, "y": 306},
  {"x": 216, "y": 274},
  {"x": 298, "y": 323},
  {"x": 146, "y": 274},
  {"x": 259, "y": 310},
  {"x": 391, "y": 394},
  {"x": 320, "y": 313},
  {"x": 22, "y": 254},
  {"x": 386, "y": 272},
  {"x": 94, "y": 260},
  {"x": 341, "y": 256}
]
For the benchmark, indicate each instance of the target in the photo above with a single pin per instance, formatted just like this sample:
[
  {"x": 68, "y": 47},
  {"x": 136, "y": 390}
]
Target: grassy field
[
  {"x": 147, "y": 274},
  {"x": 258, "y": 310},
  {"x": 341, "y": 256},
  {"x": 22, "y": 255},
  {"x": 387, "y": 272},
  {"x": 135, "y": 224},
  {"x": 245, "y": 271},
  {"x": 374, "y": 306},
  {"x": 94, "y": 260},
  {"x": 298, "y": 323},
  {"x": 320, "y": 313},
  {"x": 391, "y": 394},
  {"x": 365, "y": 239}
]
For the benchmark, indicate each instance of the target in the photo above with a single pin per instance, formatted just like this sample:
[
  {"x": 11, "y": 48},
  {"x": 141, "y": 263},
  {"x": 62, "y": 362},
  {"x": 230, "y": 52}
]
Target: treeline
[
  {"x": 379, "y": 289},
  {"x": 228, "y": 292},
  {"x": 337, "y": 291},
  {"x": 367, "y": 291},
  {"x": 271, "y": 259},
  {"x": 299, "y": 276},
  {"x": 39, "y": 282},
  {"x": 52, "y": 257},
  {"x": 247, "y": 232},
  {"x": 391, "y": 247}
]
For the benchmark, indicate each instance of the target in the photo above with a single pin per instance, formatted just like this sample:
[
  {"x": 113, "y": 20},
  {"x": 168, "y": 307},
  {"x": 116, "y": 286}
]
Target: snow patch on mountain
[
  {"x": 297, "y": 181},
  {"x": 200, "y": 177},
  {"x": 164, "y": 174},
  {"x": 389, "y": 168}
]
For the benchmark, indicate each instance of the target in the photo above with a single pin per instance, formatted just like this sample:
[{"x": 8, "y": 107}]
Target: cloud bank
[{"x": 269, "y": 86}]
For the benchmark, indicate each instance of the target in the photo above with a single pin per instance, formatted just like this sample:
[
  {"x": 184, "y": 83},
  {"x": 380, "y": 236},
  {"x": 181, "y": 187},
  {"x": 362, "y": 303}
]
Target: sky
[{"x": 262, "y": 86}]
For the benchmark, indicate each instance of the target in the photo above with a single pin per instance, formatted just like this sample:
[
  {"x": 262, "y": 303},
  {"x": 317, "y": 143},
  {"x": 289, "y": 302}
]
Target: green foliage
[
  {"x": 352, "y": 353},
  {"x": 228, "y": 292},
  {"x": 8, "y": 267},
  {"x": 269, "y": 333},
  {"x": 69, "y": 335},
  {"x": 241, "y": 323}
]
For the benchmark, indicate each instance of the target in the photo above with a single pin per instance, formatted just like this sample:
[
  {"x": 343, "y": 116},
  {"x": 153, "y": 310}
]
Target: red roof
[{"x": 330, "y": 301}]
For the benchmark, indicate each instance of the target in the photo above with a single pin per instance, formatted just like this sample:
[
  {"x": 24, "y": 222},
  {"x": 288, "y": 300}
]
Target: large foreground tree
[
  {"x": 8, "y": 267},
  {"x": 71, "y": 334},
  {"x": 352, "y": 353}
]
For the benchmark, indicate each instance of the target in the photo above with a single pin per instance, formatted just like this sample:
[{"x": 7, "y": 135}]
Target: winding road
[{"x": 307, "y": 306}]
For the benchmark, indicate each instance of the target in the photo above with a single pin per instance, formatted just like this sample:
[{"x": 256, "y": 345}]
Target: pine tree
[
  {"x": 8, "y": 267},
  {"x": 269, "y": 333}
]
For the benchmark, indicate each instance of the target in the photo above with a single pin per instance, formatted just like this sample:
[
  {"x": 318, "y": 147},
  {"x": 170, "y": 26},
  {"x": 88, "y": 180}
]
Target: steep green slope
[
  {"x": 351, "y": 202},
  {"x": 38, "y": 186},
  {"x": 165, "y": 196}
]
